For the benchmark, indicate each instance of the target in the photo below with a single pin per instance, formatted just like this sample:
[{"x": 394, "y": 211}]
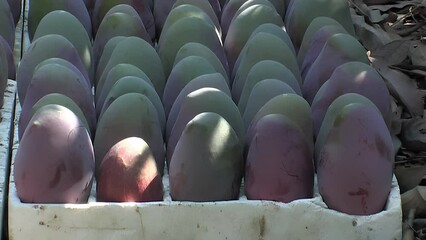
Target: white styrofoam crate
[
  {"x": 167, "y": 220},
  {"x": 6, "y": 116}
]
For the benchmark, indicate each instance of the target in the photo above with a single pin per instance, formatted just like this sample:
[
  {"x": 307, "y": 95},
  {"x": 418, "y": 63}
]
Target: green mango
[{"x": 106, "y": 55}]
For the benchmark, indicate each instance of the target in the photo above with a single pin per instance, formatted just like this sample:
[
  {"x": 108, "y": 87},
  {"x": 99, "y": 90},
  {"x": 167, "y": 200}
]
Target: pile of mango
[{"x": 213, "y": 93}]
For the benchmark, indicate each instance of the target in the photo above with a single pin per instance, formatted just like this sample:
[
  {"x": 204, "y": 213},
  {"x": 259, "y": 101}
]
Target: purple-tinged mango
[
  {"x": 279, "y": 166},
  {"x": 263, "y": 46},
  {"x": 212, "y": 80},
  {"x": 89, "y": 5},
  {"x": 62, "y": 100},
  {"x": 142, "y": 7},
  {"x": 185, "y": 30},
  {"x": 183, "y": 72},
  {"x": 145, "y": 58},
  {"x": 316, "y": 24},
  {"x": 339, "y": 48},
  {"x": 129, "y": 163},
  {"x": 301, "y": 13},
  {"x": 317, "y": 43},
  {"x": 118, "y": 24},
  {"x": 64, "y": 23},
  {"x": 55, "y": 78},
  {"x": 40, "y": 8},
  {"x": 16, "y": 9},
  {"x": 355, "y": 165},
  {"x": 203, "y": 170},
  {"x": 352, "y": 77},
  {"x": 54, "y": 162},
  {"x": 7, "y": 25},
  {"x": 130, "y": 115},
  {"x": 161, "y": 10},
  {"x": 3, "y": 73},
  {"x": 242, "y": 27},
  {"x": 117, "y": 72},
  {"x": 198, "y": 49},
  {"x": 10, "y": 59},
  {"x": 261, "y": 93},
  {"x": 106, "y": 55},
  {"x": 205, "y": 100},
  {"x": 131, "y": 84},
  {"x": 49, "y": 46},
  {"x": 293, "y": 107},
  {"x": 263, "y": 70},
  {"x": 228, "y": 13}
]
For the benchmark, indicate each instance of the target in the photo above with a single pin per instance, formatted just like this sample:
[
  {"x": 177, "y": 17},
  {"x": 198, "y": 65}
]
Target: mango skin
[
  {"x": 279, "y": 166},
  {"x": 7, "y": 25},
  {"x": 277, "y": 31},
  {"x": 129, "y": 163},
  {"x": 106, "y": 55},
  {"x": 15, "y": 8},
  {"x": 54, "y": 162},
  {"x": 9, "y": 58},
  {"x": 206, "y": 170},
  {"x": 3, "y": 73},
  {"x": 356, "y": 162}
]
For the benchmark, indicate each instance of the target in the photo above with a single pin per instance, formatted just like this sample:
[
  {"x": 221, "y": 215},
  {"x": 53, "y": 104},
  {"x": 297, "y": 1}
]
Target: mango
[
  {"x": 130, "y": 115},
  {"x": 63, "y": 23},
  {"x": 263, "y": 46},
  {"x": 185, "y": 30},
  {"x": 198, "y": 49},
  {"x": 10, "y": 59},
  {"x": 352, "y": 77},
  {"x": 3, "y": 73},
  {"x": 205, "y": 100},
  {"x": 242, "y": 27},
  {"x": 142, "y": 7},
  {"x": 129, "y": 163},
  {"x": 341, "y": 48},
  {"x": 212, "y": 80},
  {"x": 263, "y": 70},
  {"x": 301, "y": 13},
  {"x": 131, "y": 84},
  {"x": 279, "y": 166},
  {"x": 39, "y": 9},
  {"x": 203, "y": 170},
  {"x": 55, "y": 78},
  {"x": 160, "y": 11},
  {"x": 183, "y": 72},
  {"x": 355, "y": 165},
  {"x": 49, "y": 46},
  {"x": 261, "y": 93},
  {"x": 106, "y": 55},
  {"x": 54, "y": 162},
  {"x": 89, "y": 5},
  {"x": 7, "y": 25},
  {"x": 277, "y": 31},
  {"x": 16, "y": 9},
  {"x": 145, "y": 58}
]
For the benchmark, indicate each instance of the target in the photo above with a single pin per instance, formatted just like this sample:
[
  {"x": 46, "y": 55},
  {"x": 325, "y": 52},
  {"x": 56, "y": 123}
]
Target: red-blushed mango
[
  {"x": 54, "y": 162},
  {"x": 64, "y": 23},
  {"x": 62, "y": 100},
  {"x": 293, "y": 107},
  {"x": 339, "y": 48},
  {"x": 198, "y": 49},
  {"x": 263, "y": 46},
  {"x": 10, "y": 59},
  {"x": 142, "y": 7},
  {"x": 7, "y": 25},
  {"x": 185, "y": 30},
  {"x": 208, "y": 163},
  {"x": 301, "y": 13},
  {"x": 118, "y": 24},
  {"x": 117, "y": 72},
  {"x": 130, "y": 115},
  {"x": 205, "y": 100},
  {"x": 260, "y": 94},
  {"x": 16, "y": 9},
  {"x": 212, "y": 80},
  {"x": 131, "y": 84},
  {"x": 316, "y": 24},
  {"x": 145, "y": 58},
  {"x": 279, "y": 166},
  {"x": 277, "y": 31},
  {"x": 317, "y": 43},
  {"x": 49, "y": 46},
  {"x": 263, "y": 70},
  {"x": 54, "y": 78},
  {"x": 38, "y": 9},
  {"x": 182, "y": 73},
  {"x": 129, "y": 173},
  {"x": 352, "y": 77},
  {"x": 242, "y": 27},
  {"x": 3, "y": 73},
  {"x": 106, "y": 55},
  {"x": 355, "y": 165}
]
